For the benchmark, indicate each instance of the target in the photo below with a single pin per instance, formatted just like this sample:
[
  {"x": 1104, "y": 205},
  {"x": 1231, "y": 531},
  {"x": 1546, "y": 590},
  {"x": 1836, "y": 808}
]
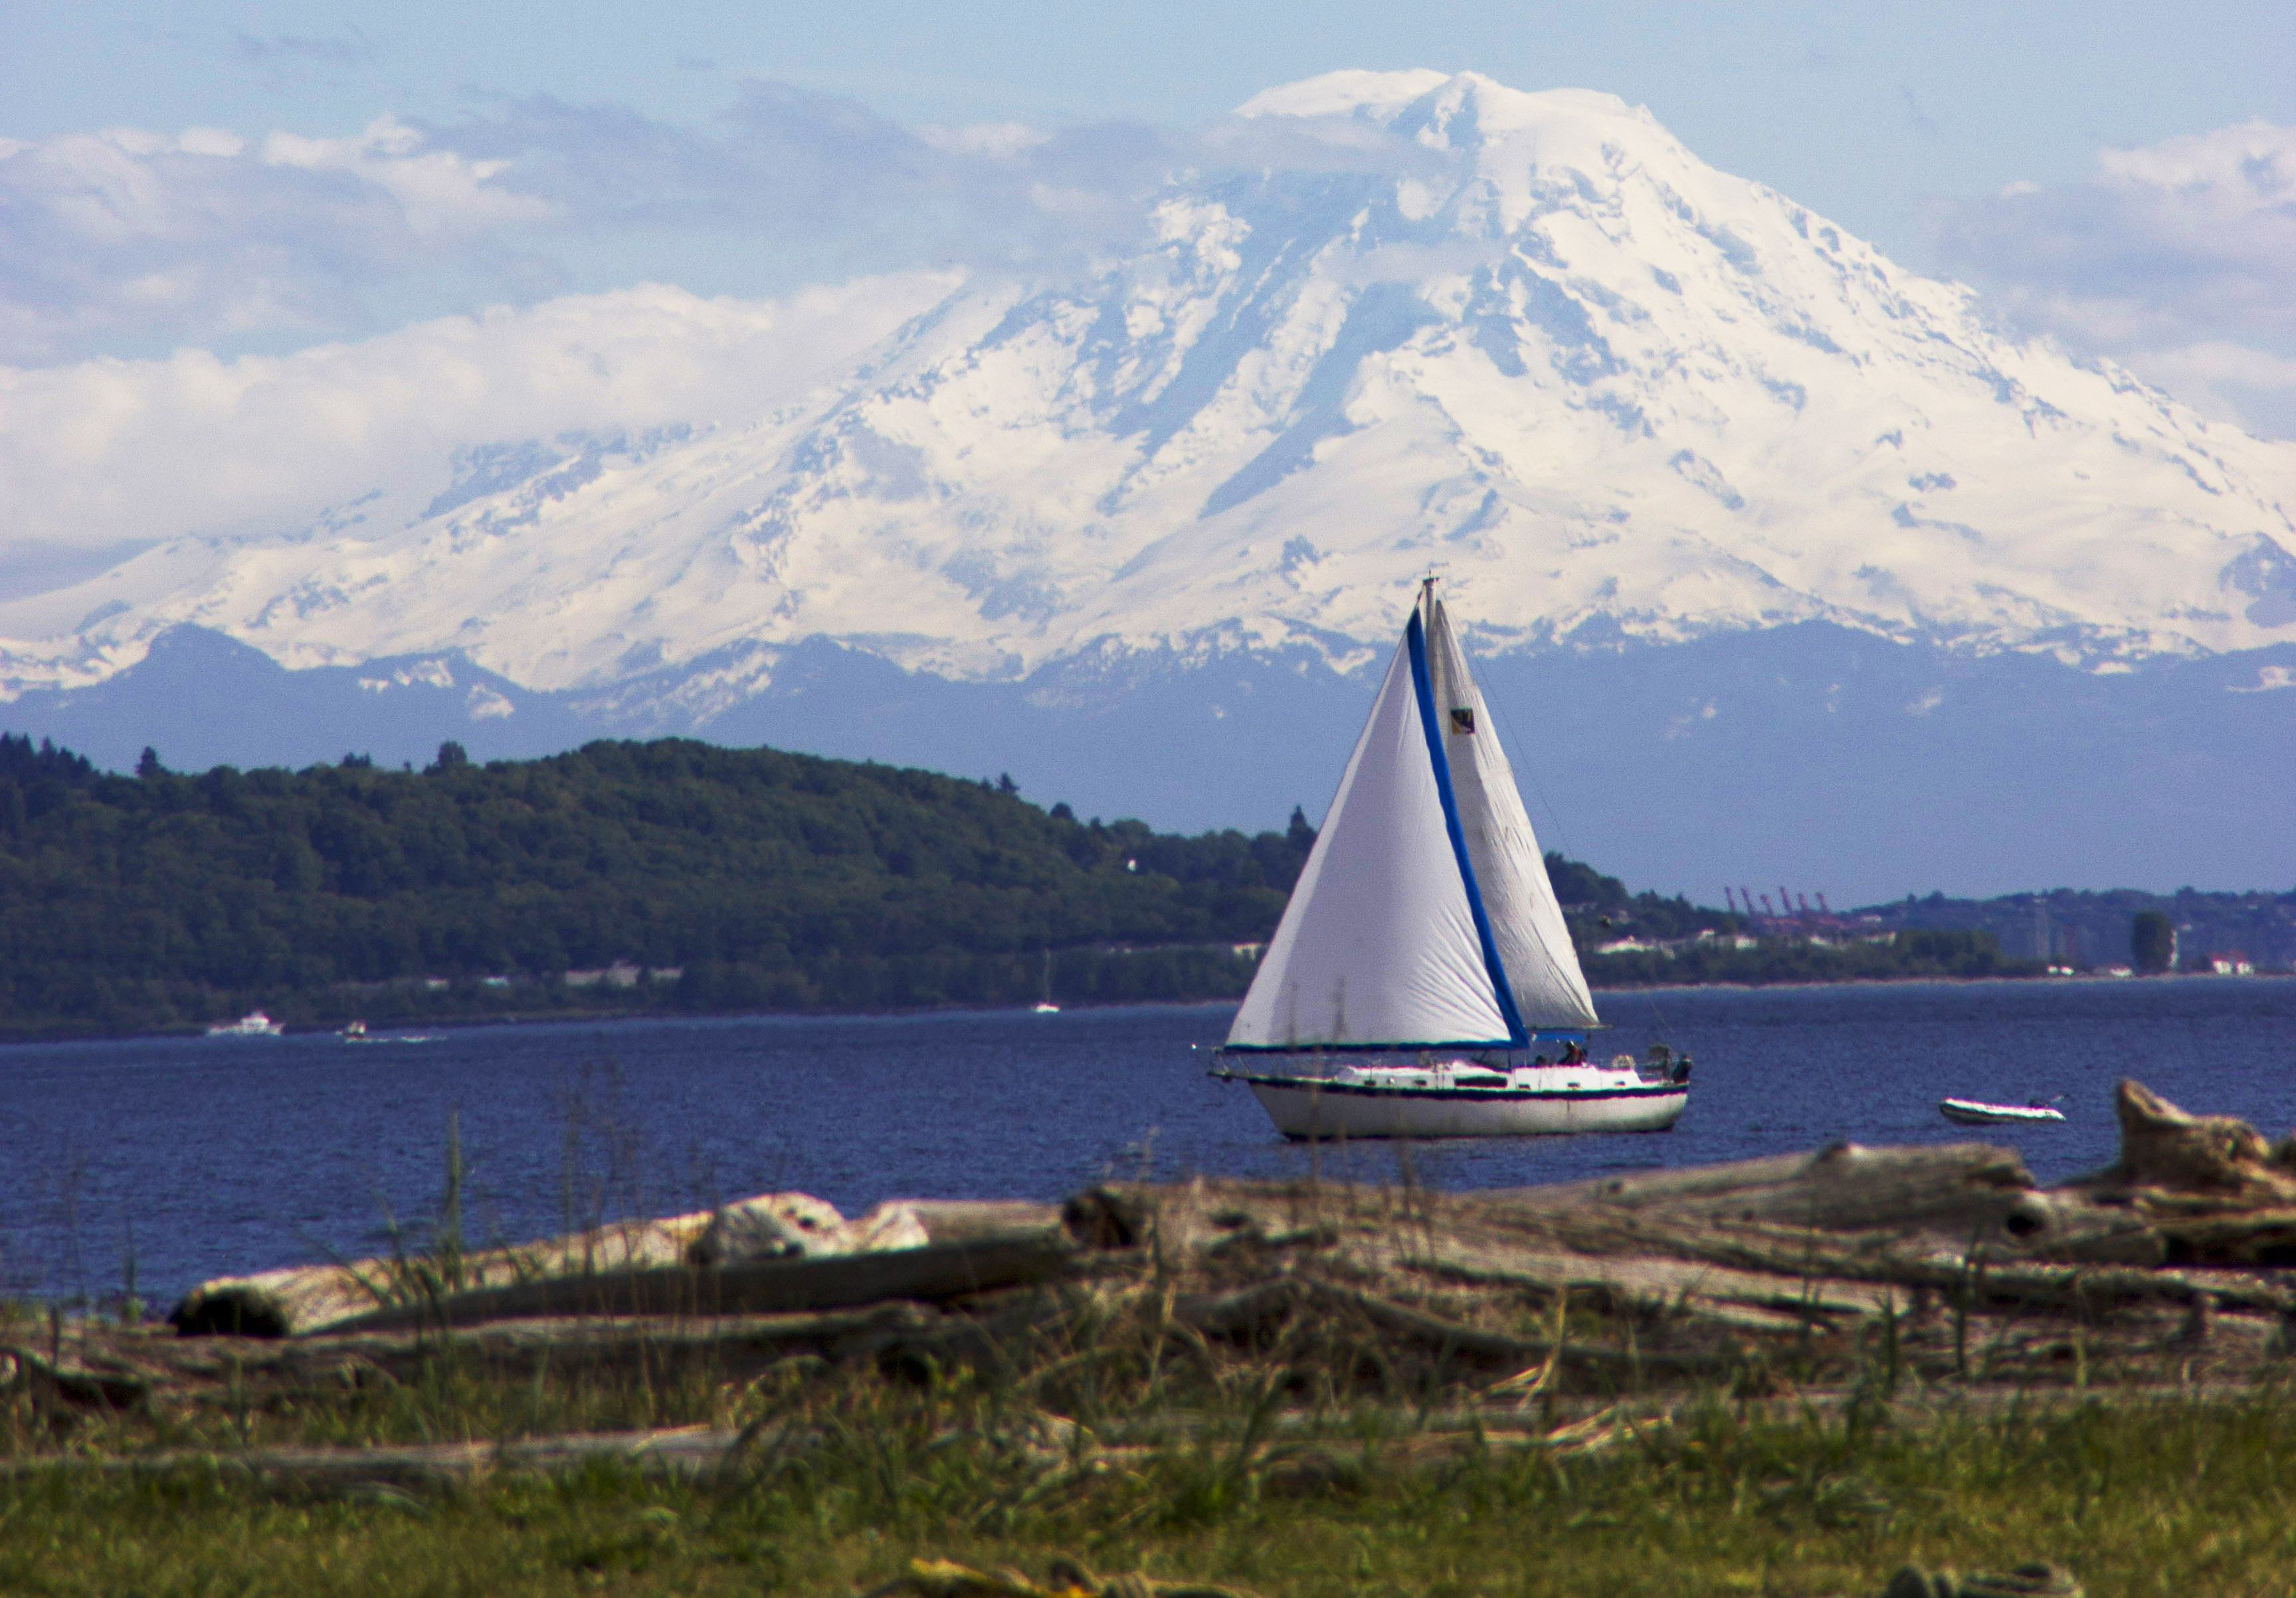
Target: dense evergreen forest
[{"x": 670, "y": 875}]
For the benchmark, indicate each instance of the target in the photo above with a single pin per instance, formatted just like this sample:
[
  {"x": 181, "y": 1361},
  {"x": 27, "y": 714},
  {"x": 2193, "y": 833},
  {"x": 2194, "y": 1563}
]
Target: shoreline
[{"x": 467, "y": 1020}]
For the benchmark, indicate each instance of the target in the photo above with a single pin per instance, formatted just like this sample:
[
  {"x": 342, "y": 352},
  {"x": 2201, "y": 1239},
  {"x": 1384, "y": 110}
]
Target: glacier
[{"x": 1695, "y": 467}]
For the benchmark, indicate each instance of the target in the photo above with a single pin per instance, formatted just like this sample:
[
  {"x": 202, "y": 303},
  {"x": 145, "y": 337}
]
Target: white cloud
[
  {"x": 1002, "y": 140},
  {"x": 131, "y": 242},
  {"x": 2177, "y": 259},
  {"x": 99, "y": 452},
  {"x": 440, "y": 194},
  {"x": 126, "y": 237}
]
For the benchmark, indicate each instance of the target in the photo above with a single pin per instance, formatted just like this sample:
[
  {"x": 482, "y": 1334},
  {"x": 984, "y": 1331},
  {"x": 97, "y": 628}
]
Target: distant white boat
[
  {"x": 356, "y": 1032},
  {"x": 1976, "y": 1112},
  {"x": 1046, "y": 1008},
  {"x": 253, "y": 1024},
  {"x": 1422, "y": 967}
]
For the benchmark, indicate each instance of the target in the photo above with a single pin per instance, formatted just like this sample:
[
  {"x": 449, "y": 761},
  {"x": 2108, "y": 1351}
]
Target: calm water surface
[{"x": 204, "y": 1157}]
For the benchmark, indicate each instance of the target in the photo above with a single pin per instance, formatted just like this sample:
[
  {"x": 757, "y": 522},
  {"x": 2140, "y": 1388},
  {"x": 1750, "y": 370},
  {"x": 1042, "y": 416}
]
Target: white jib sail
[
  {"x": 1378, "y": 944},
  {"x": 1519, "y": 903}
]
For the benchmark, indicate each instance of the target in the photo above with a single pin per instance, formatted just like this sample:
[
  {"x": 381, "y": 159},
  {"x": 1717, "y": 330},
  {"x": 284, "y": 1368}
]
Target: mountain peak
[{"x": 1454, "y": 110}]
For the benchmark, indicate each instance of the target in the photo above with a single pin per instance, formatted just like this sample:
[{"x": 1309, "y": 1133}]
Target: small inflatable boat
[{"x": 1976, "y": 1112}]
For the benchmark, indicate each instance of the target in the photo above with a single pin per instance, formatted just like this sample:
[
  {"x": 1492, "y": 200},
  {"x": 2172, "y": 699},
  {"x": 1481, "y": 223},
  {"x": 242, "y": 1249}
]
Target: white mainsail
[{"x": 1394, "y": 936}]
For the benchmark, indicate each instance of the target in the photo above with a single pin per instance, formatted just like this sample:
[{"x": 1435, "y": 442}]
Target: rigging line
[
  {"x": 1507, "y": 734},
  {"x": 1505, "y": 729},
  {"x": 1659, "y": 1018}
]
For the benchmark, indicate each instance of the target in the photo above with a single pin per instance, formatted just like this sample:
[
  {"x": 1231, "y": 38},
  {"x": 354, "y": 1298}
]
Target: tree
[
  {"x": 451, "y": 755},
  {"x": 2152, "y": 941},
  {"x": 1300, "y": 835},
  {"x": 149, "y": 766}
]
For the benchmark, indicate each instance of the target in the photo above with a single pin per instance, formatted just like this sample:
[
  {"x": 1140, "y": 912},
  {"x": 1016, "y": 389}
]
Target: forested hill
[
  {"x": 670, "y": 873},
  {"x": 682, "y": 875}
]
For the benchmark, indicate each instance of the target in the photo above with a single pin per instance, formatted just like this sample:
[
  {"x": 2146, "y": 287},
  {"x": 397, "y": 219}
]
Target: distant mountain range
[{"x": 1781, "y": 560}]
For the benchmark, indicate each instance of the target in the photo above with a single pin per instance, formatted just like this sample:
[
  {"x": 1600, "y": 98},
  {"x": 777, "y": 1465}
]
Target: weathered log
[
  {"x": 1844, "y": 1187},
  {"x": 1624, "y": 1284},
  {"x": 107, "y": 1385},
  {"x": 2163, "y": 1147},
  {"x": 685, "y": 1451},
  {"x": 302, "y": 1298},
  {"x": 779, "y": 1252},
  {"x": 117, "y": 1367},
  {"x": 1255, "y": 1312},
  {"x": 934, "y": 1272}
]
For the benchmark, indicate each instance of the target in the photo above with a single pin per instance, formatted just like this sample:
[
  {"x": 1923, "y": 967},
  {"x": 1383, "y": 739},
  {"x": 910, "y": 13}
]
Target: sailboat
[{"x": 1421, "y": 982}]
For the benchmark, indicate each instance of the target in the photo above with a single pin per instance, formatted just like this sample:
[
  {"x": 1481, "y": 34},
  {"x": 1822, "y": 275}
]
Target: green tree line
[
  {"x": 738, "y": 878},
  {"x": 715, "y": 879}
]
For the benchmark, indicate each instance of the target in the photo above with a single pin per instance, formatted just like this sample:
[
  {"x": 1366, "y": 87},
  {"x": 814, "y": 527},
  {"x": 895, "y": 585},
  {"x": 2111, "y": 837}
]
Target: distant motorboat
[
  {"x": 1046, "y": 1008},
  {"x": 253, "y": 1024},
  {"x": 1976, "y": 1112}
]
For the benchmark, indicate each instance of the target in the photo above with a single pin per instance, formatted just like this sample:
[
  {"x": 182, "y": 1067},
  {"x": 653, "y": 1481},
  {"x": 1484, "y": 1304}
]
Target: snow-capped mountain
[{"x": 1613, "y": 395}]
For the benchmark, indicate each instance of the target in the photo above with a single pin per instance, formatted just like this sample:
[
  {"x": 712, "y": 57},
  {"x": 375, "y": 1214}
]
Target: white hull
[
  {"x": 1323, "y": 1108},
  {"x": 1973, "y": 1112},
  {"x": 255, "y": 1024}
]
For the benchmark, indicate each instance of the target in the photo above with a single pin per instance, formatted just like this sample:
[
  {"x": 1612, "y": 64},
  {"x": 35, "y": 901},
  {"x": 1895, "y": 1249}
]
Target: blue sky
[
  {"x": 1866, "y": 111},
  {"x": 188, "y": 189}
]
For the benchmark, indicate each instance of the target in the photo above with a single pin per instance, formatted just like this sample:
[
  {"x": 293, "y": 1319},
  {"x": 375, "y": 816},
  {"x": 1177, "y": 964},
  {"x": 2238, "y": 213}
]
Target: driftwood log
[{"x": 777, "y": 1252}]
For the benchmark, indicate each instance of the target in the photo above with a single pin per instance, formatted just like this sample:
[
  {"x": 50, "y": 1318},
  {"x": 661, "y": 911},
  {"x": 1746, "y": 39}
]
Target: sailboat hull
[{"x": 1313, "y": 1109}]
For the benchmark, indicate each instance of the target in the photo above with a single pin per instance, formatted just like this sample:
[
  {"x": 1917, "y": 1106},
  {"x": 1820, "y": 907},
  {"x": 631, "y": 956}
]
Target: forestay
[{"x": 1425, "y": 894}]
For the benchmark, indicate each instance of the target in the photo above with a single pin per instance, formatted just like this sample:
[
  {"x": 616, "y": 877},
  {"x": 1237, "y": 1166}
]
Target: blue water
[{"x": 206, "y": 1157}]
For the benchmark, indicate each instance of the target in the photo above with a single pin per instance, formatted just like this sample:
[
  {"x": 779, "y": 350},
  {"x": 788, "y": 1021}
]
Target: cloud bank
[
  {"x": 131, "y": 242},
  {"x": 100, "y": 455},
  {"x": 128, "y": 241},
  {"x": 125, "y": 238},
  {"x": 2177, "y": 259},
  {"x": 218, "y": 335}
]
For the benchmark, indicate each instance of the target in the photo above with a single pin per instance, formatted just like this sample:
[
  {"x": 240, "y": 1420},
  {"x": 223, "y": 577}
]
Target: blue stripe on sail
[{"x": 1417, "y": 636}]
